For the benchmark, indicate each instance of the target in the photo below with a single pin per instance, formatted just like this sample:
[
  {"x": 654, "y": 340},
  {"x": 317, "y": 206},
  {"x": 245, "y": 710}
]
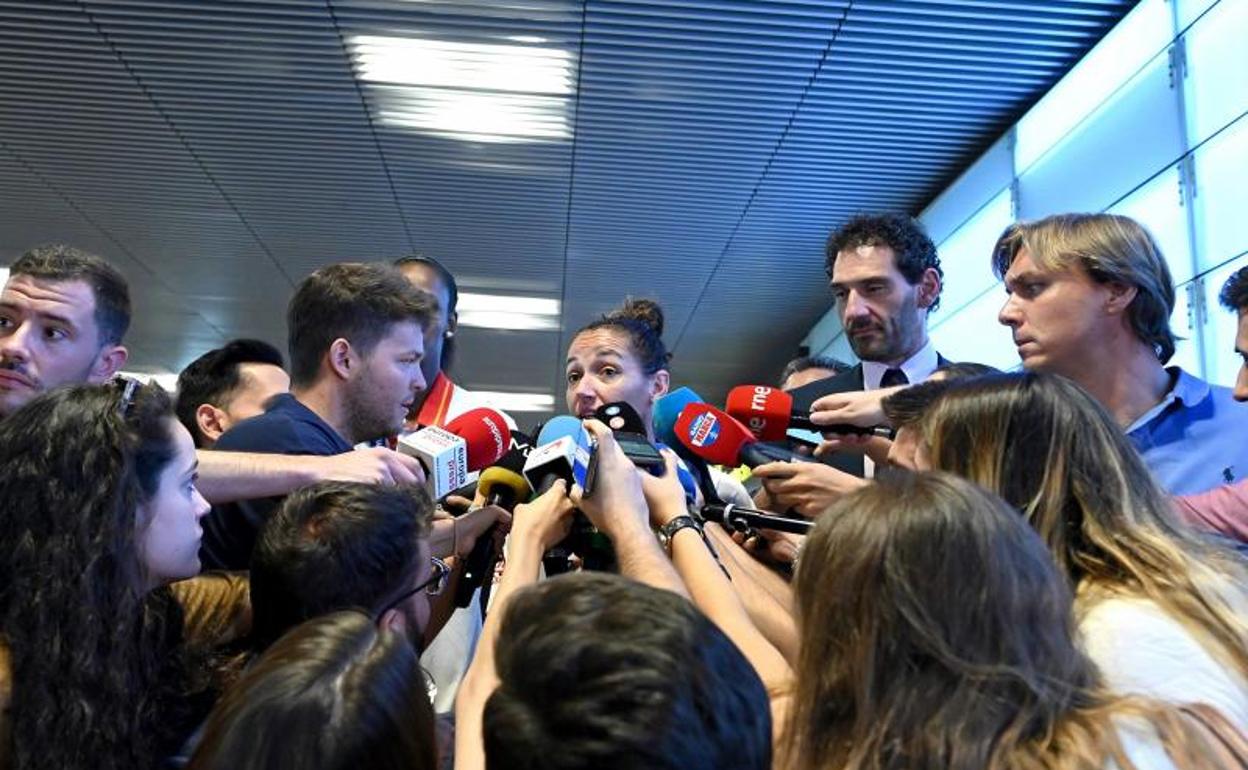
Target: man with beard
[
  {"x": 886, "y": 278},
  {"x": 63, "y": 314},
  {"x": 63, "y": 318},
  {"x": 356, "y": 343},
  {"x": 444, "y": 400}
]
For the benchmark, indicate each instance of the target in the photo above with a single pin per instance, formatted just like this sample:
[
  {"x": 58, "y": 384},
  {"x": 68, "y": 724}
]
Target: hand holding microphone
[
  {"x": 502, "y": 487},
  {"x": 720, "y": 439},
  {"x": 470, "y": 442},
  {"x": 808, "y": 488},
  {"x": 665, "y": 495},
  {"x": 616, "y": 505},
  {"x": 546, "y": 520},
  {"x": 857, "y": 407},
  {"x": 768, "y": 413}
]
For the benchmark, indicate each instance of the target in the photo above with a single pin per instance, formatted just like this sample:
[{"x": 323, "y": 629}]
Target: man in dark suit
[{"x": 885, "y": 278}]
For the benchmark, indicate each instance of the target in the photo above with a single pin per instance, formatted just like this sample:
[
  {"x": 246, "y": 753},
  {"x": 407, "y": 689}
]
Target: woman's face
[
  {"x": 169, "y": 533},
  {"x": 603, "y": 369}
]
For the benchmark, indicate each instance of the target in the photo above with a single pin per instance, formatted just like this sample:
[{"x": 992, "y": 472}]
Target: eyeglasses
[
  {"x": 434, "y": 586},
  {"x": 128, "y": 387}
]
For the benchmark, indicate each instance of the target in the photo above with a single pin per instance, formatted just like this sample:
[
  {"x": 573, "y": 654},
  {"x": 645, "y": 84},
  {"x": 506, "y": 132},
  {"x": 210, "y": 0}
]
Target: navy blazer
[{"x": 803, "y": 397}]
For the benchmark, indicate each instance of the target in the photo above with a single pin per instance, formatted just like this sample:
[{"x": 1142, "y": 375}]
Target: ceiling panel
[{"x": 695, "y": 152}]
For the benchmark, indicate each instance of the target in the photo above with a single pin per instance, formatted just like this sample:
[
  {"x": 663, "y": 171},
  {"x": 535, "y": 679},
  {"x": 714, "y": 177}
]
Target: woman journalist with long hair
[
  {"x": 1161, "y": 610},
  {"x": 101, "y": 515},
  {"x": 937, "y": 633}
]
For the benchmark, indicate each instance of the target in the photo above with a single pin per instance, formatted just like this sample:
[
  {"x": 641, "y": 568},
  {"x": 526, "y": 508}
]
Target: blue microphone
[{"x": 562, "y": 452}]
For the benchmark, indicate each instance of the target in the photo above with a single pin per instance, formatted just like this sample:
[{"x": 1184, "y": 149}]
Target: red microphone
[
  {"x": 769, "y": 414},
  {"x": 476, "y": 439},
  {"x": 720, "y": 439},
  {"x": 486, "y": 434}
]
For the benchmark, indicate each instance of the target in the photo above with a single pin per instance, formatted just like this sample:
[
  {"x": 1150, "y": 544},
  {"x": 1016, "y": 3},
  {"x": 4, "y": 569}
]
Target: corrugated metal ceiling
[{"x": 696, "y": 152}]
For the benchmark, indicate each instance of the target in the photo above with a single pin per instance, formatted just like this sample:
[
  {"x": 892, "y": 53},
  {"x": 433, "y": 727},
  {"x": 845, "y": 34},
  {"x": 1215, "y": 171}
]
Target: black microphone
[
  {"x": 630, "y": 434},
  {"x": 504, "y": 485},
  {"x": 744, "y": 519}
]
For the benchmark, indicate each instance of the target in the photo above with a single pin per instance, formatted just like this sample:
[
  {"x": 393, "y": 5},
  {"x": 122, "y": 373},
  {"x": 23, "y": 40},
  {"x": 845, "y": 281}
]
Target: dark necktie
[{"x": 894, "y": 377}]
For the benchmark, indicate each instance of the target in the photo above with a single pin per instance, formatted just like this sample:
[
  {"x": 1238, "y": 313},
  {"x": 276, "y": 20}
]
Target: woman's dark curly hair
[
  {"x": 94, "y": 654},
  {"x": 641, "y": 320}
]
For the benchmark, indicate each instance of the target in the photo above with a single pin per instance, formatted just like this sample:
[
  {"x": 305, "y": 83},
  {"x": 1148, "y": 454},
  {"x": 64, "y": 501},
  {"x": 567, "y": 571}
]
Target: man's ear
[
  {"x": 452, "y": 323},
  {"x": 342, "y": 358},
  {"x": 107, "y": 363},
  {"x": 212, "y": 422},
  {"x": 929, "y": 288},
  {"x": 1118, "y": 297}
]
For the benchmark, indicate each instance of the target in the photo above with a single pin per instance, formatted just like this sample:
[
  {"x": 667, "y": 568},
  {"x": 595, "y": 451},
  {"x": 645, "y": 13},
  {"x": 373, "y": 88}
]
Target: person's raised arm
[
  {"x": 225, "y": 477},
  {"x": 765, "y": 595},
  {"x": 536, "y": 527},
  {"x": 617, "y": 507},
  {"x": 708, "y": 585}
]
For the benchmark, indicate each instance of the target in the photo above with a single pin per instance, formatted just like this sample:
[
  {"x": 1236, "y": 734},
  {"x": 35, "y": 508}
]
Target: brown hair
[
  {"x": 895, "y": 672},
  {"x": 641, "y": 320},
  {"x": 1050, "y": 450},
  {"x": 355, "y": 301},
  {"x": 59, "y": 263},
  {"x": 335, "y": 692}
]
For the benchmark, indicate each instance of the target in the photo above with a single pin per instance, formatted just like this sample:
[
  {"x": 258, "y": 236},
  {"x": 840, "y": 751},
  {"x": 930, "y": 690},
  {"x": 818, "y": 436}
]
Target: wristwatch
[{"x": 669, "y": 530}]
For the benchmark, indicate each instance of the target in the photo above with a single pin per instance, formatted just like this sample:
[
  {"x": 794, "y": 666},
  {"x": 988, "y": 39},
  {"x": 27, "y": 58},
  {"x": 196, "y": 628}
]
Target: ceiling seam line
[
  {"x": 68, "y": 201},
  {"x": 372, "y": 128},
  {"x": 203, "y": 167},
  {"x": 745, "y": 210},
  {"x": 567, "y": 218}
]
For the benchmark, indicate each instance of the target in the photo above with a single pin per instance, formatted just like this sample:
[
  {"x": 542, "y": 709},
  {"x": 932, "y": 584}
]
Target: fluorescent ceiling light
[
  {"x": 481, "y": 117},
  {"x": 4, "y": 275},
  {"x": 510, "y": 304},
  {"x": 516, "y": 402},
  {"x": 524, "y": 69},
  {"x": 166, "y": 380},
  {"x": 468, "y": 91},
  {"x": 501, "y": 319},
  {"x": 500, "y": 311}
]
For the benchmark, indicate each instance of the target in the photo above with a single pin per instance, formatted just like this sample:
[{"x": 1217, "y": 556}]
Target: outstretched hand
[{"x": 617, "y": 504}]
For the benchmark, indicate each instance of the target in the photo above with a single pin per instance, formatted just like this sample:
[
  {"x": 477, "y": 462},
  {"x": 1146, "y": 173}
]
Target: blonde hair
[
  {"x": 1049, "y": 449},
  {"x": 894, "y": 672},
  {"x": 1111, "y": 249}
]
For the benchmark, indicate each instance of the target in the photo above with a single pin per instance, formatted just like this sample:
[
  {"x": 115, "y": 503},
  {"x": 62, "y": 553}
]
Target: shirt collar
[
  {"x": 917, "y": 367},
  {"x": 1186, "y": 390}
]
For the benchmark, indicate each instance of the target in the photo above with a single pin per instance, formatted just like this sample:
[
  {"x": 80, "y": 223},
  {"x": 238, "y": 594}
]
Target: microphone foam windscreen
[
  {"x": 711, "y": 434},
  {"x": 560, "y": 426},
  {"x": 667, "y": 410},
  {"x": 486, "y": 434},
  {"x": 765, "y": 411},
  {"x": 496, "y": 478}
]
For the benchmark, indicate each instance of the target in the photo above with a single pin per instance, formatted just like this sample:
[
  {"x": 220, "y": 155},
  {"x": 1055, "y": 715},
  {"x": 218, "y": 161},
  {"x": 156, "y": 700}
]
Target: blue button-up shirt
[{"x": 1196, "y": 438}]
